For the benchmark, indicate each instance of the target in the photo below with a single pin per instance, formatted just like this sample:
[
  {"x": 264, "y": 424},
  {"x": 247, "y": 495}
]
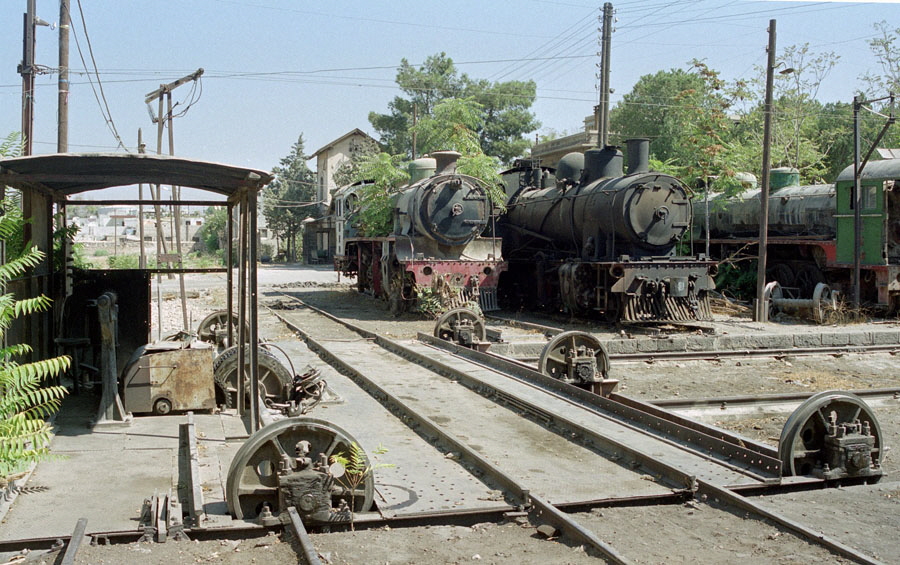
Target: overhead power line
[{"x": 104, "y": 105}]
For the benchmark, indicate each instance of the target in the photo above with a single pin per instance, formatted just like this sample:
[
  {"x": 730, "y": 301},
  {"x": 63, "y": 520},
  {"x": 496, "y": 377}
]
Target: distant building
[
  {"x": 550, "y": 152},
  {"x": 331, "y": 156}
]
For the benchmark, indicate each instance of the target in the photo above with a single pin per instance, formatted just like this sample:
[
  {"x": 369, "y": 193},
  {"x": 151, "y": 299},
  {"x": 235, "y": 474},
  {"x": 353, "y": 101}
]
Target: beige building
[
  {"x": 550, "y": 152},
  {"x": 331, "y": 156}
]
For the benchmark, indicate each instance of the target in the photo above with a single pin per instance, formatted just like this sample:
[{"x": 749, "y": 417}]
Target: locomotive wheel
[
  {"x": 771, "y": 293},
  {"x": 808, "y": 276},
  {"x": 400, "y": 290},
  {"x": 554, "y": 359},
  {"x": 272, "y": 375},
  {"x": 823, "y": 303},
  {"x": 782, "y": 273},
  {"x": 211, "y": 326},
  {"x": 252, "y": 480},
  {"x": 802, "y": 441},
  {"x": 614, "y": 308},
  {"x": 446, "y": 324}
]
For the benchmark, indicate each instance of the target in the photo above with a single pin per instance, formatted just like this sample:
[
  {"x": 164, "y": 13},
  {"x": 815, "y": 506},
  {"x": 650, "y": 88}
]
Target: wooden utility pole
[
  {"x": 166, "y": 90},
  {"x": 26, "y": 69},
  {"x": 62, "y": 131},
  {"x": 601, "y": 113},
  {"x": 761, "y": 310}
]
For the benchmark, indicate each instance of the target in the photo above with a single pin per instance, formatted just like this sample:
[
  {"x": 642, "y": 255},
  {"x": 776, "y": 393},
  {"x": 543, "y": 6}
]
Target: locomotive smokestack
[
  {"x": 446, "y": 161},
  {"x": 602, "y": 163},
  {"x": 638, "y": 155}
]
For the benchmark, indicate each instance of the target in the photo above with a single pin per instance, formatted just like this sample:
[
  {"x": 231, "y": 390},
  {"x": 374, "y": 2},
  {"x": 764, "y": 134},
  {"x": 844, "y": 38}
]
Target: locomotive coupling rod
[{"x": 310, "y": 555}]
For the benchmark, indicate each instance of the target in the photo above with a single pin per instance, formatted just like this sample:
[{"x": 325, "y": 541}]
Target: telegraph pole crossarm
[
  {"x": 166, "y": 88},
  {"x": 858, "y": 166}
]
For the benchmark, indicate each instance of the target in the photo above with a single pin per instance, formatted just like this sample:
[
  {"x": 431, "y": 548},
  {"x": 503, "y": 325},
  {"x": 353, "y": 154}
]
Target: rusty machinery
[
  {"x": 169, "y": 375},
  {"x": 573, "y": 357},
  {"x": 300, "y": 463}
]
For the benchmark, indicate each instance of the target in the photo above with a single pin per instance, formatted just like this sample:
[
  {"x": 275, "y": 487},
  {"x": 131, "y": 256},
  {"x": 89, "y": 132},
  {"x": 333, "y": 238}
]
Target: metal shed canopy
[{"x": 68, "y": 173}]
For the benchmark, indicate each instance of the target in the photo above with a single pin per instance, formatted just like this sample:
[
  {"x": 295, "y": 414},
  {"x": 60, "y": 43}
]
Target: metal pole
[
  {"x": 141, "y": 149},
  {"x": 855, "y": 202},
  {"x": 606, "y": 40},
  {"x": 26, "y": 69},
  {"x": 761, "y": 311},
  {"x": 254, "y": 311},
  {"x": 414, "y": 136},
  {"x": 242, "y": 306},
  {"x": 229, "y": 291},
  {"x": 62, "y": 131},
  {"x": 176, "y": 219}
]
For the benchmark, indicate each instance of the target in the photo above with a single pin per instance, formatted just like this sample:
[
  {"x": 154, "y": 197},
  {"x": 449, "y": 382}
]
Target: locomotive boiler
[
  {"x": 794, "y": 210},
  {"x": 436, "y": 241},
  {"x": 811, "y": 232},
  {"x": 604, "y": 242}
]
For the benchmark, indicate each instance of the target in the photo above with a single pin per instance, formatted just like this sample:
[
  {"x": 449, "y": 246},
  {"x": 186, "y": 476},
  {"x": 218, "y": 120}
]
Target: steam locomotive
[
  {"x": 811, "y": 234},
  {"x": 589, "y": 239},
  {"x": 436, "y": 241}
]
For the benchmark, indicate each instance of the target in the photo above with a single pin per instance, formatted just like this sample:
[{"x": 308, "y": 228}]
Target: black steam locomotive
[
  {"x": 436, "y": 241},
  {"x": 591, "y": 240}
]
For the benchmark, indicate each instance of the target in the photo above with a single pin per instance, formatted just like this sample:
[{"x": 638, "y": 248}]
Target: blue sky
[{"x": 279, "y": 68}]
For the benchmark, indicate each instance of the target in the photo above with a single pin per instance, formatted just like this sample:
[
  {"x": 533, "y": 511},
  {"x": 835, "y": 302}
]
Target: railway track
[
  {"x": 492, "y": 439},
  {"x": 646, "y": 453}
]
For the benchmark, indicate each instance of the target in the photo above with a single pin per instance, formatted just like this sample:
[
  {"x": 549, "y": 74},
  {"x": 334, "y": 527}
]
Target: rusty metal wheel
[
  {"x": 252, "y": 480},
  {"x": 459, "y": 323},
  {"x": 273, "y": 376},
  {"x": 803, "y": 446},
  {"x": 214, "y": 329},
  {"x": 574, "y": 357}
]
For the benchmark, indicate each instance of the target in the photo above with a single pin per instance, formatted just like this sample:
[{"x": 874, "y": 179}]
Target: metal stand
[{"x": 111, "y": 411}]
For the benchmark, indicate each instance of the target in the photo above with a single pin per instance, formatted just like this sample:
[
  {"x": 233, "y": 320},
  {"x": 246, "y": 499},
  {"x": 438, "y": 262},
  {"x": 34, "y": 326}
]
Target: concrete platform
[
  {"x": 104, "y": 475},
  {"x": 726, "y": 336}
]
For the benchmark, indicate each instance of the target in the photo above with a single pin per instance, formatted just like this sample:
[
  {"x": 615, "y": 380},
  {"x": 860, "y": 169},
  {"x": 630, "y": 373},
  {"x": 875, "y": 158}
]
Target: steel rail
[
  {"x": 676, "y": 477},
  {"x": 74, "y": 543},
  {"x": 735, "y": 500},
  {"x": 756, "y": 459},
  {"x": 893, "y": 349},
  {"x": 789, "y": 398},
  {"x": 429, "y": 430},
  {"x": 712, "y": 355},
  {"x": 310, "y": 555},
  {"x": 189, "y": 452},
  {"x": 722, "y": 493}
]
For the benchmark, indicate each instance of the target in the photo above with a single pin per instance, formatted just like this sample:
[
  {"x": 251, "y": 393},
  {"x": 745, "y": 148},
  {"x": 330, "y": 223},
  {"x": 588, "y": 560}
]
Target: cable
[{"x": 107, "y": 115}]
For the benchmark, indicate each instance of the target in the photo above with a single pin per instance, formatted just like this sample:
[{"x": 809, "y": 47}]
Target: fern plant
[
  {"x": 357, "y": 468},
  {"x": 24, "y": 402}
]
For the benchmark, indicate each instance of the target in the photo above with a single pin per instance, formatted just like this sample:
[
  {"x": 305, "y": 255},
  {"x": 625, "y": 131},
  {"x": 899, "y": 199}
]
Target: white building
[{"x": 331, "y": 156}]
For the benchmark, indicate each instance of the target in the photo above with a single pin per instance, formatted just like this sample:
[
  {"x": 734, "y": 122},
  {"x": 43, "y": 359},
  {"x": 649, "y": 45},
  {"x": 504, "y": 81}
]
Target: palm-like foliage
[{"x": 24, "y": 403}]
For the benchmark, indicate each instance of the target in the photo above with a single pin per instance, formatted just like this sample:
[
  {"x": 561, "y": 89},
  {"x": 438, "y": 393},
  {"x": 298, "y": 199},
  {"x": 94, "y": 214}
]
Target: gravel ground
[{"x": 861, "y": 516}]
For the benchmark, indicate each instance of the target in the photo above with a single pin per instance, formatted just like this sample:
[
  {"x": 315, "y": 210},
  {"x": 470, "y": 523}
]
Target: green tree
[
  {"x": 381, "y": 174},
  {"x": 505, "y": 107},
  {"x": 454, "y": 125},
  {"x": 213, "y": 231},
  {"x": 291, "y": 197},
  {"x": 24, "y": 403},
  {"x": 652, "y": 110},
  {"x": 796, "y": 115},
  {"x": 886, "y": 49}
]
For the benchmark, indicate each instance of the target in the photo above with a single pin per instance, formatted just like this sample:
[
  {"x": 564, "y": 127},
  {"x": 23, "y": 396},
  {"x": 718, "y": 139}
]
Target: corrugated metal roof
[
  {"x": 885, "y": 169},
  {"x": 70, "y": 173}
]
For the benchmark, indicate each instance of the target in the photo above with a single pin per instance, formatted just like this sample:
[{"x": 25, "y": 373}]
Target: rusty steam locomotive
[
  {"x": 437, "y": 240},
  {"x": 592, "y": 240}
]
